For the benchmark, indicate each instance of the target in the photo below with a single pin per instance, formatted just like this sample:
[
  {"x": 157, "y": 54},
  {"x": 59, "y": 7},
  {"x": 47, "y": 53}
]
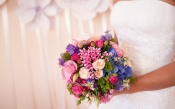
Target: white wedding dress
[{"x": 146, "y": 31}]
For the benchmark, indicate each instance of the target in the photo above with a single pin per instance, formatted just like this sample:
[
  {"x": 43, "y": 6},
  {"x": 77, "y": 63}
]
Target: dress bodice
[{"x": 146, "y": 31}]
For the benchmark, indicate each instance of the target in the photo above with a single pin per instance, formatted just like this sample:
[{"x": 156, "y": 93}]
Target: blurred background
[{"x": 33, "y": 33}]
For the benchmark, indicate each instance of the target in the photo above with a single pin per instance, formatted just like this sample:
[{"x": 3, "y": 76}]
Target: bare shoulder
[{"x": 171, "y": 2}]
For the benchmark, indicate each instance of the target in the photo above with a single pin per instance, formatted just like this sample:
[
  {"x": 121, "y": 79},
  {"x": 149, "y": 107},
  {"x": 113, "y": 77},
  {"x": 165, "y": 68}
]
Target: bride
[{"x": 146, "y": 31}]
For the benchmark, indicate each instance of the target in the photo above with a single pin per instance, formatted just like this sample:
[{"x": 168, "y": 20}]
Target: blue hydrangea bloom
[
  {"x": 121, "y": 69},
  {"x": 128, "y": 71},
  {"x": 113, "y": 52}
]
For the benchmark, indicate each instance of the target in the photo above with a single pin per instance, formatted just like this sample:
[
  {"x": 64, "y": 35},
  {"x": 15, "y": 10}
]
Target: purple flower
[
  {"x": 71, "y": 49},
  {"x": 77, "y": 50},
  {"x": 119, "y": 86},
  {"x": 106, "y": 37},
  {"x": 61, "y": 62},
  {"x": 90, "y": 80}
]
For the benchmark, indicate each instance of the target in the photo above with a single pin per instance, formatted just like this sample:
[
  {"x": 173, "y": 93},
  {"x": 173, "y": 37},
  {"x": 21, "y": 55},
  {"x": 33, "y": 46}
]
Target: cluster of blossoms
[{"x": 94, "y": 69}]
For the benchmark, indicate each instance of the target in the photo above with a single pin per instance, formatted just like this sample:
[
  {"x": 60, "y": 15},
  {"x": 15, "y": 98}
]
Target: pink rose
[
  {"x": 77, "y": 89},
  {"x": 68, "y": 69},
  {"x": 98, "y": 74},
  {"x": 75, "y": 57},
  {"x": 99, "y": 43},
  {"x": 113, "y": 79},
  {"x": 119, "y": 51}
]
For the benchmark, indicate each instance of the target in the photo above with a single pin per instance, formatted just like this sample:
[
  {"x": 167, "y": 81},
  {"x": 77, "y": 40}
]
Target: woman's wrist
[{"x": 132, "y": 89}]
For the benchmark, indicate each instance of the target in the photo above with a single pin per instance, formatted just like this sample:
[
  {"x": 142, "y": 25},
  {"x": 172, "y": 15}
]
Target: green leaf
[
  {"x": 108, "y": 66},
  {"x": 113, "y": 40},
  {"x": 104, "y": 85},
  {"x": 106, "y": 48},
  {"x": 82, "y": 97},
  {"x": 66, "y": 56},
  {"x": 97, "y": 101},
  {"x": 132, "y": 79},
  {"x": 78, "y": 102},
  {"x": 70, "y": 91}
]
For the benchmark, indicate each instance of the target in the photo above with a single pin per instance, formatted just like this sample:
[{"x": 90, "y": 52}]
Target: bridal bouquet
[{"x": 95, "y": 68}]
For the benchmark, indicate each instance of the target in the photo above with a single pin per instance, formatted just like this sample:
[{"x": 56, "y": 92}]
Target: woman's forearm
[{"x": 161, "y": 78}]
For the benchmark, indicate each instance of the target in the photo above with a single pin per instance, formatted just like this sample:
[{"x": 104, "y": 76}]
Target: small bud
[
  {"x": 106, "y": 43},
  {"x": 92, "y": 44},
  {"x": 75, "y": 77},
  {"x": 80, "y": 45},
  {"x": 125, "y": 58}
]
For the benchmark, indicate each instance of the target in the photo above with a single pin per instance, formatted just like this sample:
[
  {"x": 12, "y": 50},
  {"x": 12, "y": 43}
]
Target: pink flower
[
  {"x": 113, "y": 79},
  {"x": 98, "y": 74},
  {"x": 105, "y": 97},
  {"x": 75, "y": 57},
  {"x": 119, "y": 51},
  {"x": 68, "y": 69},
  {"x": 99, "y": 43},
  {"x": 77, "y": 89}
]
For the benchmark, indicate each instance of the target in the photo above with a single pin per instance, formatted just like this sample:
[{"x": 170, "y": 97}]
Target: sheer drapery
[{"x": 29, "y": 76}]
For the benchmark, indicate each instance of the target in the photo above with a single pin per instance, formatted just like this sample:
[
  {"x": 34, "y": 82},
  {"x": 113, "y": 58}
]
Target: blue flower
[
  {"x": 115, "y": 69},
  {"x": 105, "y": 72},
  {"x": 128, "y": 72},
  {"x": 121, "y": 69},
  {"x": 121, "y": 76},
  {"x": 113, "y": 52}
]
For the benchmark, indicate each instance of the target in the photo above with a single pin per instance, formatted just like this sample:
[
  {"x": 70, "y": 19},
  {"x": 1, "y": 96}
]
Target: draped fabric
[{"x": 29, "y": 75}]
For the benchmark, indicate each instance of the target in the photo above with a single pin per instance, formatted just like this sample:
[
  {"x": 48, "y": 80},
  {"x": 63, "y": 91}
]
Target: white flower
[
  {"x": 87, "y": 102},
  {"x": 84, "y": 9},
  {"x": 84, "y": 73},
  {"x": 98, "y": 74},
  {"x": 2, "y": 1},
  {"x": 99, "y": 64},
  {"x": 37, "y": 13}
]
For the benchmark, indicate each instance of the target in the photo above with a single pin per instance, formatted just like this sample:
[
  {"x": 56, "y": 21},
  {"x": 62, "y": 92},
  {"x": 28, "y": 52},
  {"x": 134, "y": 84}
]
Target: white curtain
[{"x": 29, "y": 75}]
